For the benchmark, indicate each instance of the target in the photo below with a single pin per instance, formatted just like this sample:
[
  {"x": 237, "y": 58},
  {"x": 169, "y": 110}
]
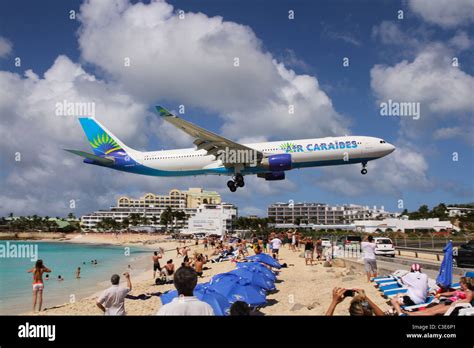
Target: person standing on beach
[
  {"x": 38, "y": 285},
  {"x": 112, "y": 300},
  {"x": 370, "y": 263},
  {"x": 78, "y": 273},
  {"x": 185, "y": 280},
  {"x": 275, "y": 245},
  {"x": 156, "y": 263},
  {"x": 308, "y": 251}
]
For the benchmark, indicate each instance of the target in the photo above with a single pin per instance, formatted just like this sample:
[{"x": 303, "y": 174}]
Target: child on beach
[{"x": 38, "y": 285}]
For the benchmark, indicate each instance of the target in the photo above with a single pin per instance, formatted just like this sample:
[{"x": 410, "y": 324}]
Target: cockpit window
[{"x": 382, "y": 141}]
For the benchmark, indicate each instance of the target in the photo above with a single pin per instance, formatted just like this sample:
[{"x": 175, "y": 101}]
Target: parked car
[
  {"x": 351, "y": 241},
  {"x": 464, "y": 255},
  {"x": 326, "y": 242},
  {"x": 384, "y": 246}
]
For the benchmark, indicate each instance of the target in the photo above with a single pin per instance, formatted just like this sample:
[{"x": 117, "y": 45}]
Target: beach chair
[
  {"x": 421, "y": 305},
  {"x": 466, "y": 309}
]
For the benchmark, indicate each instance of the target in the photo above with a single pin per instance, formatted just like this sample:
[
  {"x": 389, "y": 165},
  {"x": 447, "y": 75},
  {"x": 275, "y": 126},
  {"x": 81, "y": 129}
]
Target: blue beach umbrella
[
  {"x": 266, "y": 259},
  {"x": 445, "y": 276},
  {"x": 258, "y": 266},
  {"x": 255, "y": 277},
  {"x": 236, "y": 288},
  {"x": 219, "y": 303}
]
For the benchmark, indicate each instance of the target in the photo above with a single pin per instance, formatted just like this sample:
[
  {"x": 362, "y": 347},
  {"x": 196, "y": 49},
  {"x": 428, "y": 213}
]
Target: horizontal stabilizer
[{"x": 92, "y": 157}]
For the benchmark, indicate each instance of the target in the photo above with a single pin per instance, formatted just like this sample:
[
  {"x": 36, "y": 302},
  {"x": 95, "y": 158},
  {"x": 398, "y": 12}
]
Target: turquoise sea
[{"x": 63, "y": 259}]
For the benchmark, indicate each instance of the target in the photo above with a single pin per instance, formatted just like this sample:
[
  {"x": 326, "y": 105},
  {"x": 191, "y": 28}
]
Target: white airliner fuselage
[{"x": 217, "y": 155}]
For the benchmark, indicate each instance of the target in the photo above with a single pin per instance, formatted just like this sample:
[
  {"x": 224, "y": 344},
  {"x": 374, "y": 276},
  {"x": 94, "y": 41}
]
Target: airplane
[{"x": 217, "y": 155}]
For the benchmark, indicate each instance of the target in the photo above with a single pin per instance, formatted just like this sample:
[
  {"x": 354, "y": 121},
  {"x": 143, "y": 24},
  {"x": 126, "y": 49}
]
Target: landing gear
[
  {"x": 364, "y": 168},
  {"x": 237, "y": 182}
]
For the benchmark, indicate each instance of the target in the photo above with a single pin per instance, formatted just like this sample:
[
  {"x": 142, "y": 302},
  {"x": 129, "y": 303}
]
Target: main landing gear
[
  {"x": 237, "y": 182},
  {"x": 364, "y": 168}
]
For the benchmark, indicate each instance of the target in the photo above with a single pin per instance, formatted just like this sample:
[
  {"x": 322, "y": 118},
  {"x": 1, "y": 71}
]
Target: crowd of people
[{"x": 192, "y": 267}]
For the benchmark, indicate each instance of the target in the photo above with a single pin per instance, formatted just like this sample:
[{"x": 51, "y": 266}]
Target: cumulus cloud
[
  {"x": 192, "y": 61},
  {"x": 402, "y": 170},
  {"x": 5, "y": 47},
  {"x": 430, "y": 79},
  {"x": 37, "y": 174},
  {"x": 446, "y": 13}
]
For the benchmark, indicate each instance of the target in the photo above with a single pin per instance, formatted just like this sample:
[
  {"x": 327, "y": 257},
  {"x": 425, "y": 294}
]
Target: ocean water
[{"x": 63, "y": 259}]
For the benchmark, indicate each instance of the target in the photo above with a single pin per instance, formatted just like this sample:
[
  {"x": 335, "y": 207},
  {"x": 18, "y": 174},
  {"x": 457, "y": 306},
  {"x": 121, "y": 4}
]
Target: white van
[{"x": 384, "y": 246}]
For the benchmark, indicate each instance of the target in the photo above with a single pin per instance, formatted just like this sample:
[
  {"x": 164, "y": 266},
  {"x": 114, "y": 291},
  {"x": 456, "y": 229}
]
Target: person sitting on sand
[
  {"x": 78, "y": 273},
  {"x": 198, "y": 265},
  {"x": 258, "y": 250},
  {"x": 38, "y": 285},
  {"x": 465, "y": 295},
  {"x": 168, "y": 270},
  {"x": 185, "y": 280},
  {"x": 360, "y": 305},
  {"x": 156, "y": 263},
  {"x": 112, "y": 300}
]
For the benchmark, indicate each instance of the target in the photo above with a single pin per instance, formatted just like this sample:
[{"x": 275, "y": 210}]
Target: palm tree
[
  {"x": 71, "y": 216},
  {"x": 166, "y": 217}
]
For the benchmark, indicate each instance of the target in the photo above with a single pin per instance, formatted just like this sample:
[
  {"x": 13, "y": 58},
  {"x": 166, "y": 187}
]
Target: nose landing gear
[
  {"x": 237, "y": 182},
  {"x": 364, "y": 168}
]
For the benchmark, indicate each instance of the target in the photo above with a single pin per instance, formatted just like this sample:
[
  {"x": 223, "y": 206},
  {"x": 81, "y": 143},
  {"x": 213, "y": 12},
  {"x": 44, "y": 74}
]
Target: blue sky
[{"x": 410, "y": 54}]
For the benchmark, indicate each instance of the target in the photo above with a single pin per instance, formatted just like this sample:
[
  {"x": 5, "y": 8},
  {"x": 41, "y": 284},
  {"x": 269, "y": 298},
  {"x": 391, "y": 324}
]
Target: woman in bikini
[{"x": 38, "y": 285}]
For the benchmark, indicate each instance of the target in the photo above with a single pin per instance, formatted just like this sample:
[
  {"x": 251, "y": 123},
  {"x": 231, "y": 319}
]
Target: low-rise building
[
  {"x": 151, "y": 206},
  {"x": 404, "y": 225},
  {"x": 324, "y": 214}
]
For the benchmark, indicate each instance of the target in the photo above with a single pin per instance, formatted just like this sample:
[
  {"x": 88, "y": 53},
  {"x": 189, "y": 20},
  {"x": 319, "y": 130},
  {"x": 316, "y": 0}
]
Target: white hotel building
[{"x": 204, "y": 209}]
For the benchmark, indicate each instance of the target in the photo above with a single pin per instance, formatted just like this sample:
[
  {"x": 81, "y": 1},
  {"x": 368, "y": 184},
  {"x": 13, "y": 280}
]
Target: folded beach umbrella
[
  {"x": 266, "y": 259},
  {"x": 260, "y": 267},
  {"x": 445, "y": 276},
  {"x": 236, "y": 288},
  {"x": 168, "y": 296},
  {"x": 219, "y": 303},
  {"x": 255, "y": 277}
]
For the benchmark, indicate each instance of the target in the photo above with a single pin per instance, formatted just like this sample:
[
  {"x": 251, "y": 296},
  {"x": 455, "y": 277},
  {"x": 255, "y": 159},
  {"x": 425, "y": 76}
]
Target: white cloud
[
  {"x": 429, "y": 79},
  {"x": 446, "y": 13},
  {"x": 191, "y": 61},
  {"x": 461, "y": 41},
  {"x": 403, "y": 170},
  {"x": 5, "y": 47}
]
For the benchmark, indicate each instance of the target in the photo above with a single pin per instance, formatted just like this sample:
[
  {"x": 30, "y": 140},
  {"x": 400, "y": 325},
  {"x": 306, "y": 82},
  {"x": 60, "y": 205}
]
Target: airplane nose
[{"x": 391, "y": 148}]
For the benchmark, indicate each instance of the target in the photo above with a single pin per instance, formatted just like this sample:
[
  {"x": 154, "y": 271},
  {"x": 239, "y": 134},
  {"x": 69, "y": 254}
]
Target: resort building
[
  {"x": 212, "y": 219},
  {"x": 193, "y": 202},
  {"x": 404, "y": 225},
  {"x": 458, "y": 211},
  {"x": 324, "y": 214}
]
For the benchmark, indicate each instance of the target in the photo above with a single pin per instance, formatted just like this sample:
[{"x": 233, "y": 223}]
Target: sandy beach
[{"x": 301, "y": 289}]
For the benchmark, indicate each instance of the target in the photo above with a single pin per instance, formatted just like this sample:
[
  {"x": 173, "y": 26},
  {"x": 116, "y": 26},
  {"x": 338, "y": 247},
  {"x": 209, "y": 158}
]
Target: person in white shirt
[
  {"x": 112, "y": 300},
  {"x": 185, "y": 280},
  {"x": 417, "y": 287},
  {"x": 370, "y": 263},
  {"x": 275, "y": 244}
]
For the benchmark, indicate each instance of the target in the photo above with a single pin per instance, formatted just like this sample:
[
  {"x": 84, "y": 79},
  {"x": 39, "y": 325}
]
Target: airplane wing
[{"x": 204, "y": 139}]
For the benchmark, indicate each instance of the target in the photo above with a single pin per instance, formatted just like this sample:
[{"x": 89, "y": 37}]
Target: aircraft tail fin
[{"x": 102, "y": 141}]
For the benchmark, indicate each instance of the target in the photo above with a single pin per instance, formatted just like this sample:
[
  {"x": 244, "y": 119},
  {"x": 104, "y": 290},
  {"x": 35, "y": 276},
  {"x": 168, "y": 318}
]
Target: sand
[{"x": 301, "y": 289}]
